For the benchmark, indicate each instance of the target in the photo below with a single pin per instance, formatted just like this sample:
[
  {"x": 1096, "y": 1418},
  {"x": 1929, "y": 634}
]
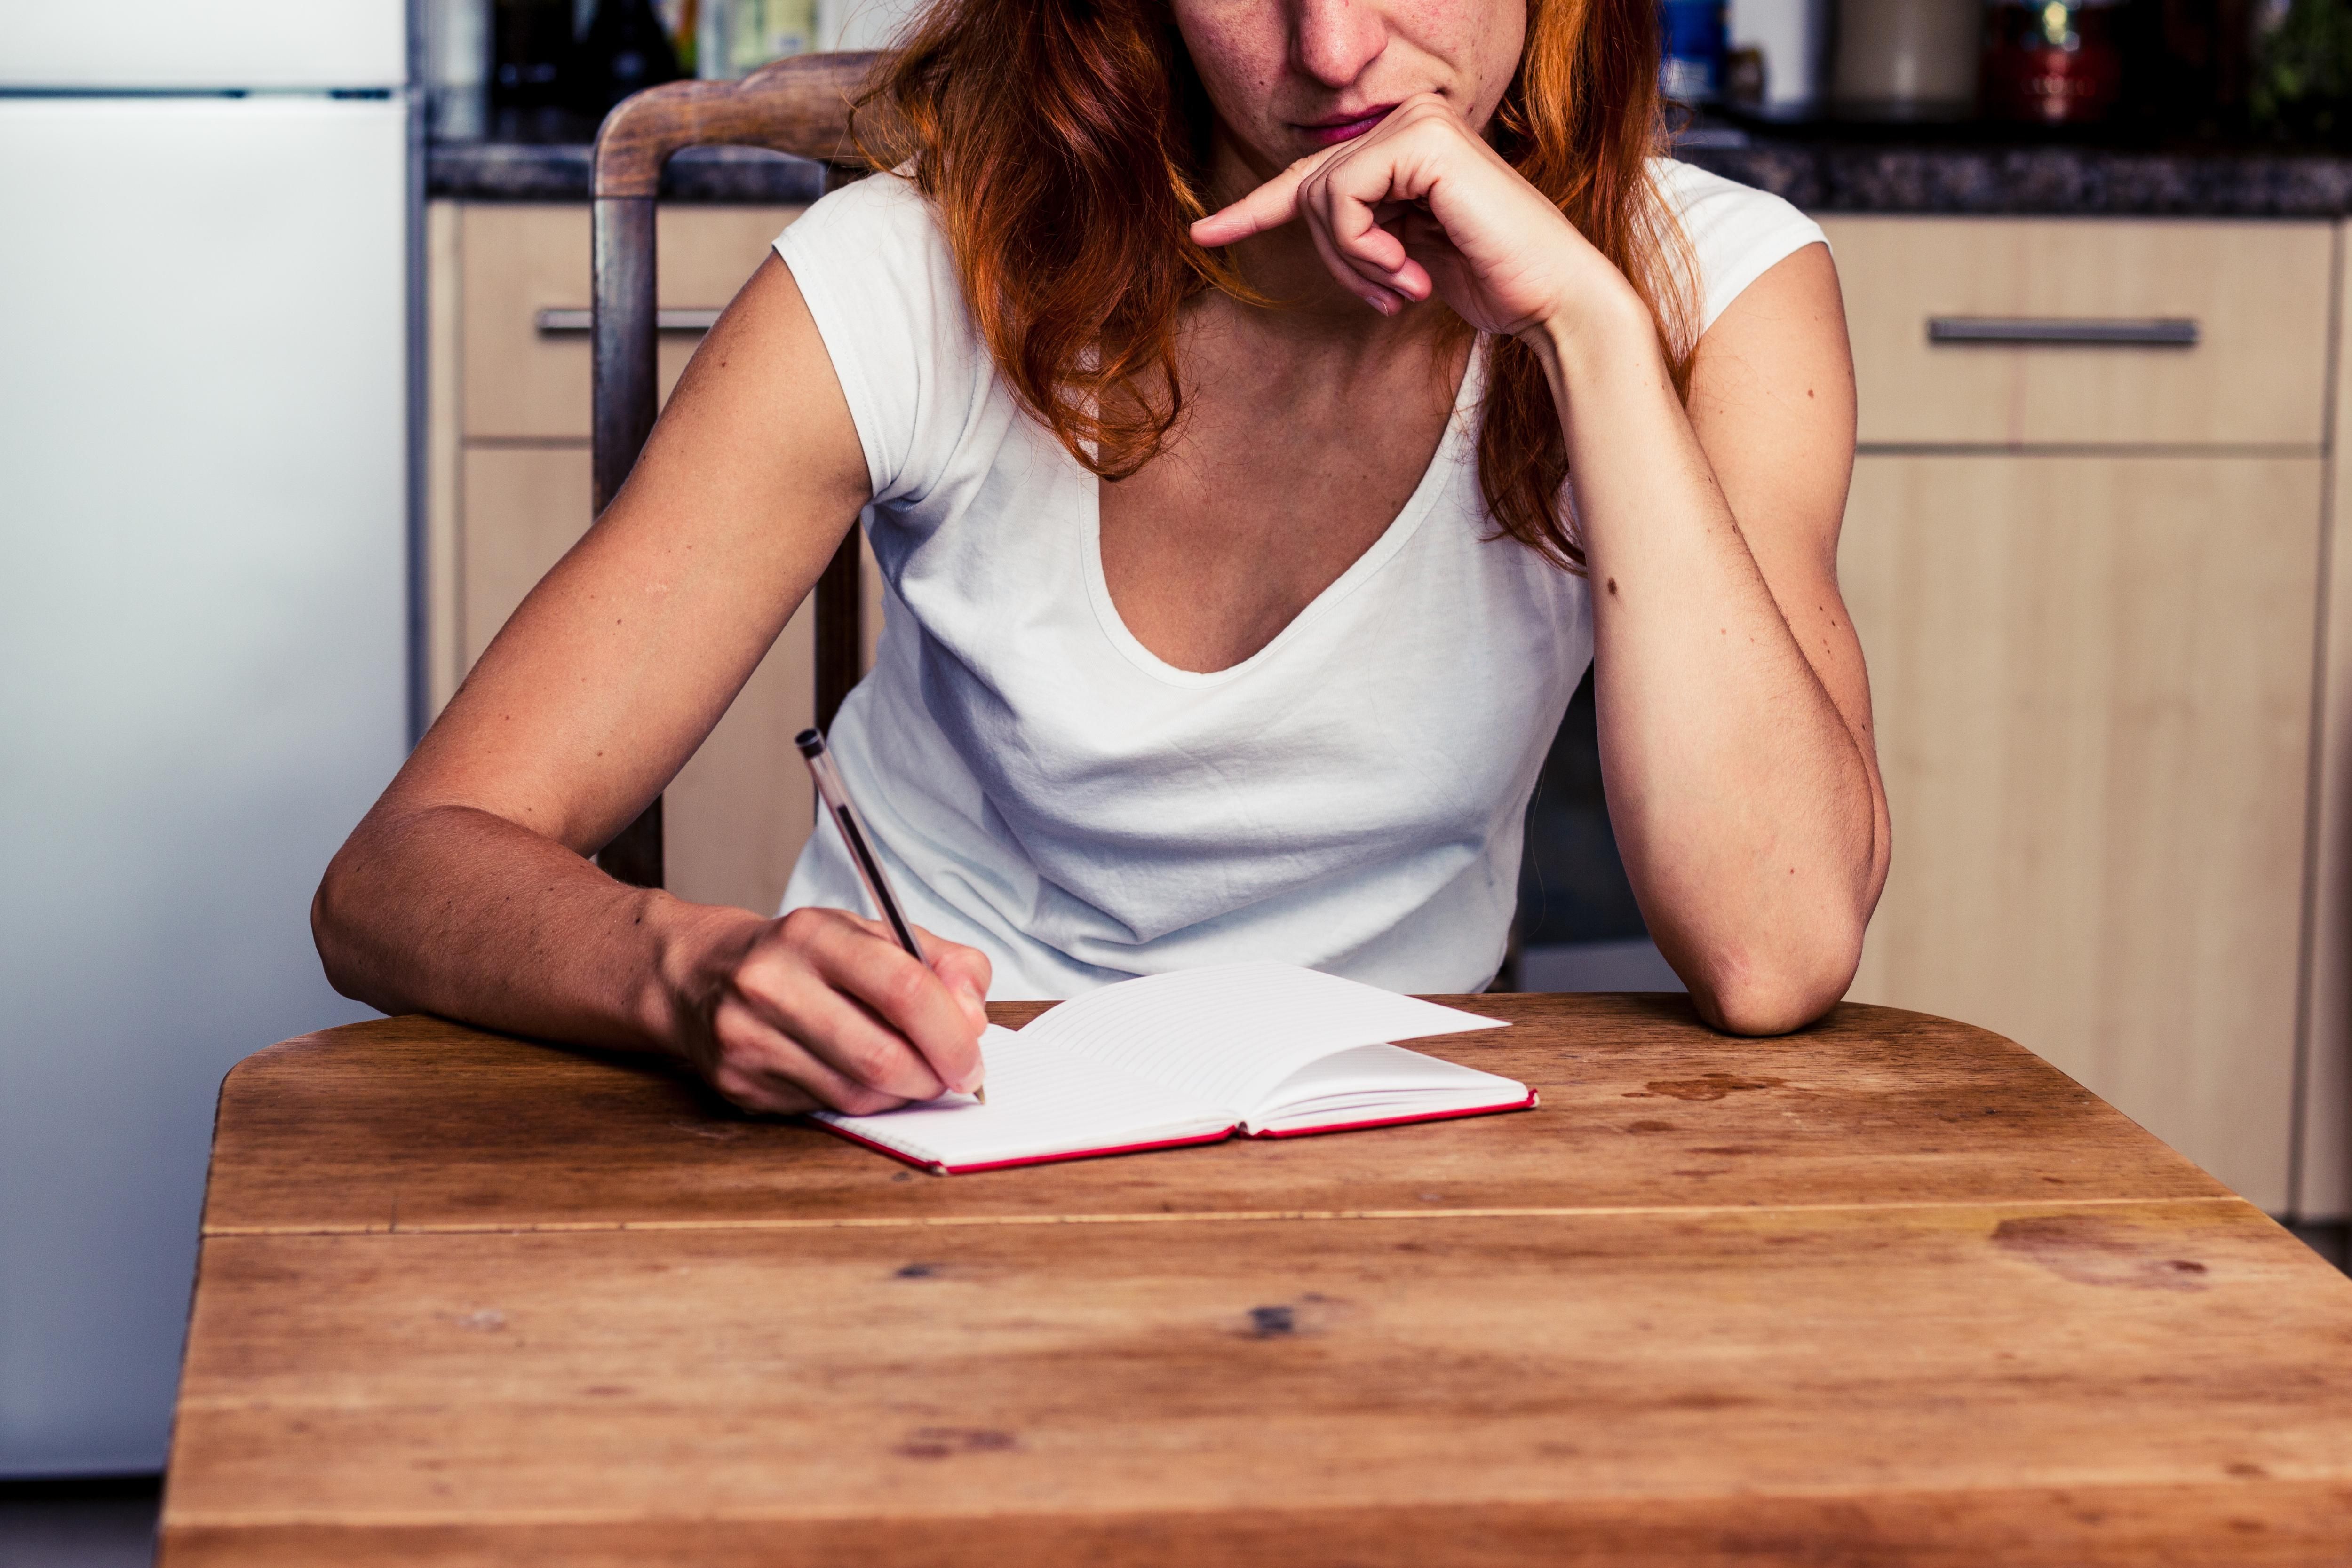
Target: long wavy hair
[{"x": 1064, "y": 144}]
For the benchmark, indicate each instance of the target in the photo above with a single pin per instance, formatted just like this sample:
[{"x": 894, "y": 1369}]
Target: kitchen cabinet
[
  {"x": 2258, "y": 294},
  {"x": 2092, "y": 677},
  {"x": 507, "y": 459},
  {"x": 2088, "y": 583}
]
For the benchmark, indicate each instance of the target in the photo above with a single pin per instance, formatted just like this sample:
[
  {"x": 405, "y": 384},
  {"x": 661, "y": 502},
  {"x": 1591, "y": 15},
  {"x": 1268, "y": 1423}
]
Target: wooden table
[{"x": 1888, "y": 1292}]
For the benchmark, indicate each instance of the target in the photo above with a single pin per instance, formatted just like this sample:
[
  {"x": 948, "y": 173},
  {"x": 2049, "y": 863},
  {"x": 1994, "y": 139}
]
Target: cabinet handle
[
  {"x": 664, "y": 321},
  {"x": 2160, "y": 332}
]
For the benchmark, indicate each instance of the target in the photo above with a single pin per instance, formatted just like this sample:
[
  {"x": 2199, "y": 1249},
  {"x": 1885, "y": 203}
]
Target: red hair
[{"x": 1064, "y": 144}]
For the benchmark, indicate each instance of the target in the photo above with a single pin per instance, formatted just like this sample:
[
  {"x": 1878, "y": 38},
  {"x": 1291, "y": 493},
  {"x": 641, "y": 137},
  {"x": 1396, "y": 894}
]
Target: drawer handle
[
  {"x": 664, "y": 321},
  {"x": 2160, "y": 332}
]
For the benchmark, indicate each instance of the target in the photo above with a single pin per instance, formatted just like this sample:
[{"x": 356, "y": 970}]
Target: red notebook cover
[
  {"x": 1527, "y": 1104},
  {"x": 1217, "y": 1137}
]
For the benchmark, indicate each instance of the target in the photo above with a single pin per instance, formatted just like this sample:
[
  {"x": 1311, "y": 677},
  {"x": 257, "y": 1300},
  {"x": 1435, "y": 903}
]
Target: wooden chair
[{"x": 799, "y": 106}]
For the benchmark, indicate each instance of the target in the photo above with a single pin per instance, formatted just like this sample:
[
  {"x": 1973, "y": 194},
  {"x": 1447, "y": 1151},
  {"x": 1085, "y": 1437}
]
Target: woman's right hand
[{"x": 822, "y": 1010}]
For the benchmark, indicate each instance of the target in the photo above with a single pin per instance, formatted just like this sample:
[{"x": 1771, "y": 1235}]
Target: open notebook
[{"x": 1268, "y": 1050}]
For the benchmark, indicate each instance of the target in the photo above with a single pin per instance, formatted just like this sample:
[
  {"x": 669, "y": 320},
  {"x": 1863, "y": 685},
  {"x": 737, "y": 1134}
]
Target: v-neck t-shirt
[{"x": 1043, "y": 787}]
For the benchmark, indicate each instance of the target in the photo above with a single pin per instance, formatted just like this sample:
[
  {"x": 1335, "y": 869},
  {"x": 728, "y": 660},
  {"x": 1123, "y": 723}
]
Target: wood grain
[
  {"x": 1888, "y": 1292},
  {"x": 903, "y": 1389},
  {"x": 414, "y": 1124},
  {"x": 2242, "y": 1523},
  {"x": 2092, "y": 680},
  {"x": 800, "y": 106},
  {"x": 2260, "y": 291}
]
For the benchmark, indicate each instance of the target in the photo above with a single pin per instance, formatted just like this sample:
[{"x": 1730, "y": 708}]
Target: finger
[
  {"x": 801, "y": 1001},
  {"x": 1377, "y": 252},
  {"x": 906, "y": 997},
  {"x": 966, "y": 971},
  {"x": 1392, "y": 288},
  {"x": 803, "y": 982},
  {"x": 1269, "y": 207},
  {"x": 768, "y": 1070},
  {"x": 1372, "y": 292},
  {"x": 1350, "y": 199},
  {"x": 1355, "y": 226},
  {"x": 1328, "y": 206}
]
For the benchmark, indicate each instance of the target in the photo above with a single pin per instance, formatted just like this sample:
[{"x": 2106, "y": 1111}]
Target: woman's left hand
[{"x": 1420, "y": 204}]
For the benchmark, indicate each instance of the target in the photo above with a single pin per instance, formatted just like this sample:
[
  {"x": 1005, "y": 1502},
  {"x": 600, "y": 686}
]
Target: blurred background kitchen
[{"x": 294, "y": 407}]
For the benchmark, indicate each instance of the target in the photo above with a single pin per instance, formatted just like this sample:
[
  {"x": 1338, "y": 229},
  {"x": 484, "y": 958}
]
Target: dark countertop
[
  {"x": 1820, "y": 175},
  {"x": 558, "y": 172},
  {"x": 1847, "y": 176}
]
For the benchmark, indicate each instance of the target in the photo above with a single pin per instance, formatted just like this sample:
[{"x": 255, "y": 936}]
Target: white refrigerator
[{"x": 207, "y": 215}]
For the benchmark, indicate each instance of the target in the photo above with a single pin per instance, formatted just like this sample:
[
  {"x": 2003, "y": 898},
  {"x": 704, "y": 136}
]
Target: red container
[{"x": 2051, "y": 64}]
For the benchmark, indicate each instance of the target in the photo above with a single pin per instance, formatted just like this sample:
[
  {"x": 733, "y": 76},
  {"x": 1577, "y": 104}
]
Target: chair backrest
[{"x": 799, "y": 106}]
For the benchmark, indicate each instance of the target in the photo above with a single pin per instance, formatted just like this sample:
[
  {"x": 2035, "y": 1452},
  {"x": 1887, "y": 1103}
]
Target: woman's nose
[{"x": 1334, "y": 40}]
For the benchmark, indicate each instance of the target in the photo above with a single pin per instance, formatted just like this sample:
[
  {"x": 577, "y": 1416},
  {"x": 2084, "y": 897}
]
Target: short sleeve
[
  {"x": 871, "y": 263},
  {"x": 1738, "y": 233}
]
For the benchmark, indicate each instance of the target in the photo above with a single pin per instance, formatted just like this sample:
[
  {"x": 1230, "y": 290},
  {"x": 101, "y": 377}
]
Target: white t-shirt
[{"x": 1348, "y": 798}]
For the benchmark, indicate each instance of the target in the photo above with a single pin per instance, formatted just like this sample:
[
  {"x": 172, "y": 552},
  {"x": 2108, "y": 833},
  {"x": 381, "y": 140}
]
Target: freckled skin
[{"x": 1271, "y": 70}]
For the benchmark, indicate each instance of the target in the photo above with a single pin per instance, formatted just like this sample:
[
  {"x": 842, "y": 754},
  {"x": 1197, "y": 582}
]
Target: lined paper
[{"x": 1367, "y": 1082}]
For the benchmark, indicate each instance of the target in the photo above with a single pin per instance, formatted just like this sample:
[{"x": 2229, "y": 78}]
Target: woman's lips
[{"x": 1331, "y": 132}]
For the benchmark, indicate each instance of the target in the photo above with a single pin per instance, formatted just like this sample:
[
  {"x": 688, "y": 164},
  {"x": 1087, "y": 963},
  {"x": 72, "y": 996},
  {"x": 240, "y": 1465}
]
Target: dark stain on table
[
  {"x": 2091, "y": 1249},
  {"x": 1709, "y": 1086}
]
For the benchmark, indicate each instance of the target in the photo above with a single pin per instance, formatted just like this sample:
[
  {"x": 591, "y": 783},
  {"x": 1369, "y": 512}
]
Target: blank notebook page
[
  {"x": 1230, "y": 1034},
  {"x": 1041, "y": 1098}
]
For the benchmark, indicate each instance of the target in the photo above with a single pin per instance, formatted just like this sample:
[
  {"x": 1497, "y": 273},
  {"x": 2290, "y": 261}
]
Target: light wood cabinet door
[
  {"x": 2258, "y": 293},
  {"x": 2091, "y": 678}
]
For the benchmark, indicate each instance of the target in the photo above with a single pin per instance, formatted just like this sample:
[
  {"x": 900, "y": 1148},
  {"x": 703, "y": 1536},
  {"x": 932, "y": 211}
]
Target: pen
[{"x": 835, "y": 796}]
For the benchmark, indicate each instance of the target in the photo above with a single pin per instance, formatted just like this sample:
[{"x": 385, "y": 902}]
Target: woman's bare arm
[
  {"x": 465, "y": 891},
  {"x": 1733, "y": 705},
  {"x": 1735, "y": 727}
]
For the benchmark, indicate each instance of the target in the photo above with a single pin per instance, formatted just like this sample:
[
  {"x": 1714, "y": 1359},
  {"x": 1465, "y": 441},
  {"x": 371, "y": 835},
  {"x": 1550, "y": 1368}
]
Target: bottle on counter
[
  {"x": 2052, "y": 62},
  {"x": 1775, "y": 56},
  {"x": 1905, "y": 60},
  {"x": 531, "y": 43},
  {"x": 624, "y": 49},
  {"x": 1692, "y": 40}
]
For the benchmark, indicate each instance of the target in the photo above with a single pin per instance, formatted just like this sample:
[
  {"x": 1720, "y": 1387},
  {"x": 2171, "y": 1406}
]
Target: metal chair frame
[{"x": 800, "y": 106}]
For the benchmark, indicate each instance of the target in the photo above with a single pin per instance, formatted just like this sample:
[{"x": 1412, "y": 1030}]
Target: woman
[{"x": 1243, "y": 561}]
